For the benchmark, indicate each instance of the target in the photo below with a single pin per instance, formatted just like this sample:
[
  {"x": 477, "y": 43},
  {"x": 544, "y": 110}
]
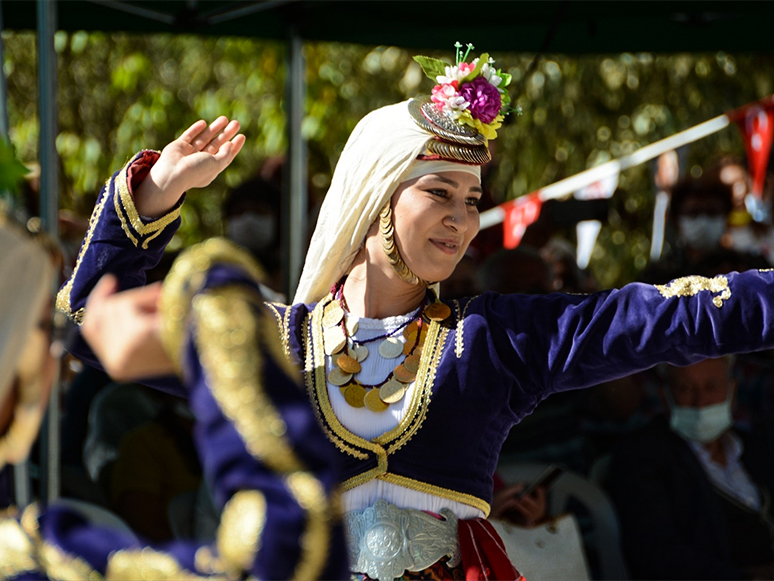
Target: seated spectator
[
  {"x": 508, "y": 505},
  {"x": 692, "y": 492},
  {"x": 520, "y": 270},
  {"x": 699, "y": 214},
  {"x": 251, "y": 213},
  {"x": 156, "y": 462}
]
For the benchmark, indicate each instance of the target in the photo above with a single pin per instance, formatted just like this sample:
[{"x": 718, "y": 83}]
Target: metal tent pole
[
  {"x": 49, "y": 213},
  {"x": 294, "y": 208}
]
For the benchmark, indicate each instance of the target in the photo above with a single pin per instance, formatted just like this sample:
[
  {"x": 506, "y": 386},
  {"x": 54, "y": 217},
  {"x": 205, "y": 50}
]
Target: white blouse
[{"x": 367, "y": 424}]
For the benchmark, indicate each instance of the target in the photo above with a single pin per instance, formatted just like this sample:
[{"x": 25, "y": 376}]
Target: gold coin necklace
[{"x": 347, "y": 353}]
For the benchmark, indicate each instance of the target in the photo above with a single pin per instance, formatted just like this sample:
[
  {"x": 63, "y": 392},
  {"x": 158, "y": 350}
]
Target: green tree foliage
[{"x": 120, "y": 93}]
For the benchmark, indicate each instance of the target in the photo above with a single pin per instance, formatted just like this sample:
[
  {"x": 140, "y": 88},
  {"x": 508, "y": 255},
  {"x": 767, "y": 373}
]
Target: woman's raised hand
[{"x": 192, "y": 160}]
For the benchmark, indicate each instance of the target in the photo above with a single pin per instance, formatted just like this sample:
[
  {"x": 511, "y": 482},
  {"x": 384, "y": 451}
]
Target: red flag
[
  {"x": 519, "y": 214},
  {"x": 757, "y": 127}
]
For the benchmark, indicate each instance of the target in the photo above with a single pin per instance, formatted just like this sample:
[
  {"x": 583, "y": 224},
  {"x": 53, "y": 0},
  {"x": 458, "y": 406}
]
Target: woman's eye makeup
[{"x": 438, "y": 192}]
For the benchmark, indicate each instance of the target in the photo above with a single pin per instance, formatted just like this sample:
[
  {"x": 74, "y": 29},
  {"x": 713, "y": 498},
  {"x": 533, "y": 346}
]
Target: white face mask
[
  {"x": 702, "y": 232},
  {"x": 253, "y": 231},
  {"x": 702, "y": 425}
]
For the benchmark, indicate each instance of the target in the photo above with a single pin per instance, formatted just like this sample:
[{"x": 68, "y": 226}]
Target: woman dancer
[{"x": 418, "y": 394}]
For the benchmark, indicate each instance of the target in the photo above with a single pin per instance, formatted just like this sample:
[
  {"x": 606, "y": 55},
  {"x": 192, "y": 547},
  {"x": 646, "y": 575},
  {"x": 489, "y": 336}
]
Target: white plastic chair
[
  {"x": 604, "y": 537},
  {"x": 98, "y": 515}
]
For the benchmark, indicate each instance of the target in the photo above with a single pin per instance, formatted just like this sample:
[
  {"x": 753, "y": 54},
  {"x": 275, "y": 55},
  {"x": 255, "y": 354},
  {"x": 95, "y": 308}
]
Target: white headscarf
[{"x": 376, "y": 159}]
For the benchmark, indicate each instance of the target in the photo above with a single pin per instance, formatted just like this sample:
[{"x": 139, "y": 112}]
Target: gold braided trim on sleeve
[
  {"x": 148, "y": 564},
  {"x": 186, "y": 278},
  {"x": 17, "y": 550},
  {"x": 689, "y": 286},
  {"x": 240, "y": 530},
  {"x": 63, "y": 303},
  {"x": 309, "y": 493},
  {"x": 125, "y": 204},
  {"x": 227, "y": 335}
]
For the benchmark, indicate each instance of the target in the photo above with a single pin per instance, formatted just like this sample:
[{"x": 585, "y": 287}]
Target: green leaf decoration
[
  {"x": 12, "y": 171},
  {"x": 431, "y": 67},
  {"x": 505, "y": 77},
  {"x": 484, "y": 58}
]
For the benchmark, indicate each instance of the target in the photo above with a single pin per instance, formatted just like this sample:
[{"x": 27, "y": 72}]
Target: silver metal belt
[{"x": 384, "y": 541}]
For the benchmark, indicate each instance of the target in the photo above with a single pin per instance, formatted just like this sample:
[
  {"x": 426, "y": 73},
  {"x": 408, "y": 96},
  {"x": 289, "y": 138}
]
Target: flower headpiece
[{"x": 469, "y": 93}]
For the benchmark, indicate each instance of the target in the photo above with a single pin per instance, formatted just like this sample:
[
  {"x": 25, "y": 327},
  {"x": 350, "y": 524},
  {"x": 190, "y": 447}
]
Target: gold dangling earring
[{"x": 391, "y": 249}]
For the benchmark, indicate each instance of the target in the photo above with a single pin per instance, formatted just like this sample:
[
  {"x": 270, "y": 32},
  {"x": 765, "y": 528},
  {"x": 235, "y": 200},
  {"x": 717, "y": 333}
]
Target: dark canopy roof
[{"x": 546, "y": 26}]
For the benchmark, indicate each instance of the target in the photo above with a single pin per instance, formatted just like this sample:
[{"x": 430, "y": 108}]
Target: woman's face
[{"x": 435, "y": 218}]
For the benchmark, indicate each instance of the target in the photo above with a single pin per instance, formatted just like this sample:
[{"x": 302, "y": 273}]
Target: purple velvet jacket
[{"x": 484, "y": 368}]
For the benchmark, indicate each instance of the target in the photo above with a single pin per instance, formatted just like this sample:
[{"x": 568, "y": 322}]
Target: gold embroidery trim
[
  {"x": 436, "y": 338},
  {"x": 309, "y": 493},
  {"x": 227, "y": 331},
  {"x": 446, "y": 493},
  {"x": 148, "y": 564},
  {"x": 314, "y": 373},
  {"x": 367, "y": 476},
  {"x": 689, "y": 286},
  {"x": 417, "y": 411},
  {"x": 60, "y": 565},
  {"x": 16, "y": 550},
  {"x": 286, "y": 331},
  {"x": 207, "y": 562},
  {"x": 318, "y": 386},
  {"x": 29, "y": 522},
  {"x": 186, "y": 278},
  {"x": 240, "y": 530},
  {"x": 283, "y": 324},
  {"x": 459, "y": 345},
  {"x": 123, "y": 201},
  {"x": 63, "y": 303}
]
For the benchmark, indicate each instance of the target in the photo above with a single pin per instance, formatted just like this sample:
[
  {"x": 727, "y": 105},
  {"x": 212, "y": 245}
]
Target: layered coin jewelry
[{"x": 347, "y": 353}]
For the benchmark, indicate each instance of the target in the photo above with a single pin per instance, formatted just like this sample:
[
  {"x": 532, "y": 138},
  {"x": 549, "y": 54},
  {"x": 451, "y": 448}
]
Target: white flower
[
  {"x": 452, "y": 74},
  {"x": 490, "y": 74}
]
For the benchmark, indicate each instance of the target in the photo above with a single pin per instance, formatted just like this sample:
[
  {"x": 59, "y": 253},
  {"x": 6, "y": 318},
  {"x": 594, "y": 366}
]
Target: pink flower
[
  {"x": 465, "y": 68},
  {"x": 484, "y": 98},
  {"x": 447, "y": 99}
]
